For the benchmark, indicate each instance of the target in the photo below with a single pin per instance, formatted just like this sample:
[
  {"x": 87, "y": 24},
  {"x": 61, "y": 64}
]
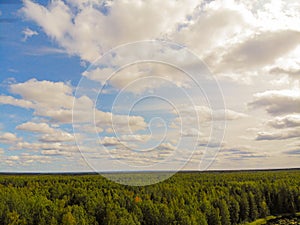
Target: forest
[{"x": 205, "y": 198}]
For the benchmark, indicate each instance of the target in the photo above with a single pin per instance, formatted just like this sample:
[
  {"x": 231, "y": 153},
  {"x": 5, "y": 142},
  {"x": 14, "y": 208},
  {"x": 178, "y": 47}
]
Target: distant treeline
[{"x": 186, "y": 198}]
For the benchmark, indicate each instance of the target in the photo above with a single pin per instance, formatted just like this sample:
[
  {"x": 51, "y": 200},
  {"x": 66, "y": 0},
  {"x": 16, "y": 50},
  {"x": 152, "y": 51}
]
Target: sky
[{"x": 90, "y": 85}]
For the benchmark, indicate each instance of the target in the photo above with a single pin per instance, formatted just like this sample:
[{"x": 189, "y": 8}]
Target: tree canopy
[{"x": 207, "y": 198}]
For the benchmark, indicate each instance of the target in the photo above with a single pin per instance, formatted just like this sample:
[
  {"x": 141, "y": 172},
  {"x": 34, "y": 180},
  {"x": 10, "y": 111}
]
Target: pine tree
[
  {"x": 244, "y": 208},
  {"x": 68, "y": 219},
  {"x": 234, "y": 210},
  {"x": 264, "y": 210},
  {"x": 214, "y": 217},
  {"x": 253, "y": 212},
  {"x": 224, "y": 213}
]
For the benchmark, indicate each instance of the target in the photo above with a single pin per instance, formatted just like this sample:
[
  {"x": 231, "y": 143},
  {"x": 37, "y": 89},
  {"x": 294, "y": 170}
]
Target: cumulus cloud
[
  {"x": 9, "y": 138},
  {"x": 278, "y": 135},
  {"x": 125, "y": 140},
  {"x": 16, "y": 102},
  {"x": 47, "y": 148},
  {"x": 233, "y": 37},
  {"x": 50, "y": 134},
  {"x": 26, "y": 159},
  {"x": 260, "y": 50},
  {"x": 278, "y": 102},
  {"x": 49, "y": 99},
  {"x": 110, "y": 141},
  {"x": 216, "y": 22},
  {"x": 135, "y": 137},
  {"x": 36, "y": 127},
  {"x": 166, "y": 146},
  {"x": 231, "y": 115},
  {"x": 53, "y": 95},
  {"x": 236, "y": 38},
  {"x": 191, "y": 132},
  {"x": 89, "y": 32},
  {"x": 143, "y": 158},
  {"x": 140, "y": 77},
  {"x": 54, "y": 100},
  {"x": 55, "y": 153},
  {"x": 292, "y": 72},
  {"x": 206, "y": 114},
  {"x": 58, "y": 136},
  {"x": 285, "y": 121}
]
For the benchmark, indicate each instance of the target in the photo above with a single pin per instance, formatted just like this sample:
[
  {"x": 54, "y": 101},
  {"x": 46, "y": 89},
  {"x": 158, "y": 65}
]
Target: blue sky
[{"x": 108, "y": 85}]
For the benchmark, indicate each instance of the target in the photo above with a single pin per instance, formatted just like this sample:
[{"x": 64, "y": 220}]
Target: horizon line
[{"x": 144, "y": 171}]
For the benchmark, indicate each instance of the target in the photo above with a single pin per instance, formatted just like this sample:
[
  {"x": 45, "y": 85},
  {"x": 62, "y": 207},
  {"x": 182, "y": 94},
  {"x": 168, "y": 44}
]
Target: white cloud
[
  {"x": 26, "y": 159},
  {"x": 43, "y": 50},
  {"x": 55, "y": 20},
  {"x": 235, "y": 38},
  {"x": 54, "y": 100},
  {"x": 166, "y": 146},
  {"x": 110, "y": 141},
  {"x": 241, "y": 152},
  {"x": 9, "y": 138},
  {"x": 48, "y": 148},
  {"x": 58, "y": 136},
  {"x": 89, "y": 33},
  {"x": 135, "y": 137},
  {"x": 55, "y": 153},
  {"x": 192, "y": 132},
  {"x": 292, "y": 72},
  {"x": 140, "y": 77},
  {"x": 210, "y": 142},
  {"x": 53, "y": 95},
  {"x": 279, "y": 135},
  {"x": 206, "y": 114},
  {"x": 211, "y": 26},
  {"x": 231, "y": 115},
  {"x": 278, "y": 102},
  {"x": 48, "y": 99},
  {"x": 241, "y": 40},
  {"x": 36, "y": 127},
  {"x": 28, "y": 33},
  {"x": 285, "y": 121},
  {"x": 14, "y": 101},
  {"x": 258, "y": 51}
]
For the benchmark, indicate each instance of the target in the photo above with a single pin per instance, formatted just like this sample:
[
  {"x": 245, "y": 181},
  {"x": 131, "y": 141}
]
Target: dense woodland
[{"x": 211, "y": 198}]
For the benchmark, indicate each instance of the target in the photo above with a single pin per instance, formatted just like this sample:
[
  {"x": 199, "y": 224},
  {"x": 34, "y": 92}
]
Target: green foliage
[
  {"x": 68, "y": 219},
  {"x": 186, "y": 198}
]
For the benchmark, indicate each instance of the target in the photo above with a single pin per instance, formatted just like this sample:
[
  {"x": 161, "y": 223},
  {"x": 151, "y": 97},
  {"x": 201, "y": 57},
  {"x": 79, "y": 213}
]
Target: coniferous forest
[{"x": 207, "y": 198}]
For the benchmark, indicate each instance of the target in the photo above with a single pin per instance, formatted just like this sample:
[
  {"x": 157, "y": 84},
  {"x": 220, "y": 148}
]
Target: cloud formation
[
  {"x": 28, "y": 33},
  {"x": 9, "y": 138},
  {"x": 240, "y": 40},
  {"x": 294, "y": 152},
  {"x": 278, "y": 102},
  {"x": 292, "y": 72},
  {"x": 36, "y": 127},
  {"x": 259, "y": 50},
  {"x": 285, "y": 121},
  {"x": 90, "y": 29},
  {"x": 278, "y": 135},
  {"x": 54, "y": 100}
]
